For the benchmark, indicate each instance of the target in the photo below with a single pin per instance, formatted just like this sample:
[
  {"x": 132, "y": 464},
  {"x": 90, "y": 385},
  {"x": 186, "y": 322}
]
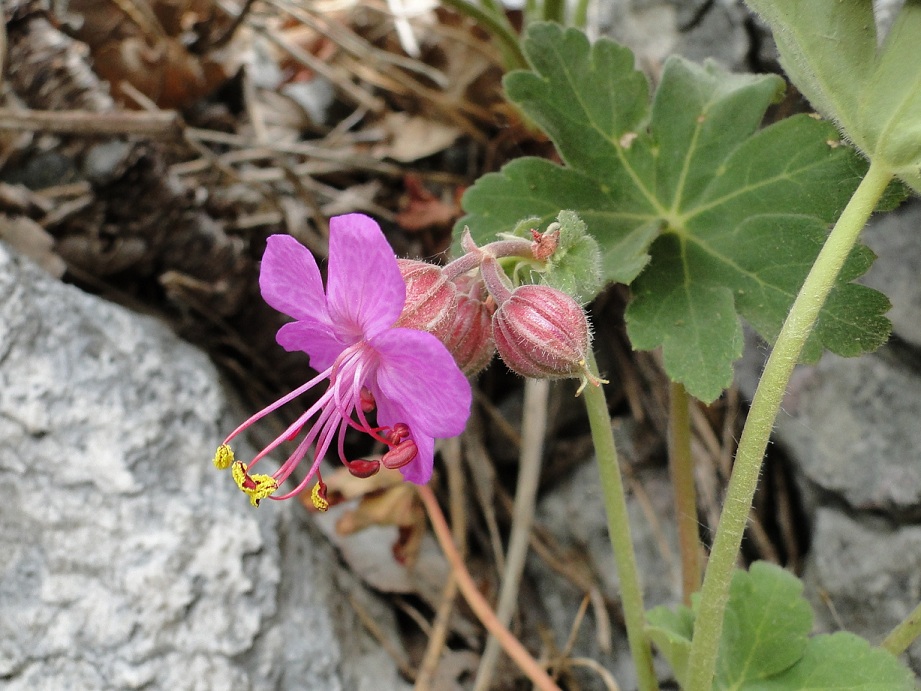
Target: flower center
[{"x": 346, "y": 403}]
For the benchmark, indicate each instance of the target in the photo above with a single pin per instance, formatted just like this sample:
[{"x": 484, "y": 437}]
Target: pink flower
[{"x": 406, "y": 377}]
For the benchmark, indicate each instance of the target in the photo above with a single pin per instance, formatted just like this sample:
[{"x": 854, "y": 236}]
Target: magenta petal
[
  {"x": 365, "y": 289},
  {"x": 318, "y": 340},
  {"x": 419, "y": 470},
  {"x": 417, "y": 373},
  {"x": 290, "y": 280}
]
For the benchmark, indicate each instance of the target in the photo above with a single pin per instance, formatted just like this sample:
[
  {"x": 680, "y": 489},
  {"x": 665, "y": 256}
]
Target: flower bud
[
  {"x": 470, "y": 338},
  {"x": 542, "y": 332},
  {"x": 431, "y": 299}
]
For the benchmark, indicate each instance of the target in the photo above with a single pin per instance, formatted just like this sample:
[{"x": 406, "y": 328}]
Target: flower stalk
[
  {"x": 740, "y": 493},
  {"x": 615, "y": 502},
  {"x": 904, "y": 634},
  {"x": 681, "y": 468}
]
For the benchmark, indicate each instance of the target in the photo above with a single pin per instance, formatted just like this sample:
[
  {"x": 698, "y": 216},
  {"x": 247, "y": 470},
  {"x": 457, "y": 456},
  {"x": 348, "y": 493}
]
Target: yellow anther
[
  {"x": 320, "y": 502},
  {"x": 265, "y": 487},
  {"x": 256, "y": 487},
  {"x": 223, "y": 457}
]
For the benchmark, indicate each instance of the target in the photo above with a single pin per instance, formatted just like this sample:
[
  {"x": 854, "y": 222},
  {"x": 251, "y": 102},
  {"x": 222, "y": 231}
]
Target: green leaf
[
  {"x": 765, "y": 645},
  {"x": 534, "y": 187},
  {"x": 771, "y": 622},
  {"x": 827, "y": 48},
  {"x": 890, "y": 109},
  {"x": 575, "y": 267},
  {"x": 671, "y": 631},
  {"x": 709, "y": 218},
  {"x": 839, "y": 662}
]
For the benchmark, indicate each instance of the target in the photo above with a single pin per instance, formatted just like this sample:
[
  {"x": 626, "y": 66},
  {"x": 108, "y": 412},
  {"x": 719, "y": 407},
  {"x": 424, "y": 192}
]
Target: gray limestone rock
[
  {"x": 851, "y": 426},
  {"x": 864, "y": 575},
  {"x": 126, "y": 560},
  {"x": 574, "y": 512},
  {"x": 655, "y": 29},
  {"x": 894, "y": 238}
]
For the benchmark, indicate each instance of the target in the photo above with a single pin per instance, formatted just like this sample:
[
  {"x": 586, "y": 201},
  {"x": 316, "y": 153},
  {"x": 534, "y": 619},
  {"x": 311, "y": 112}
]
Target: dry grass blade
[
  {"x": 533, "y": 431},
  {"x": 163, "y": 124},
  {"x": 337, "y": 76},
  {"x": 451, "y": 452}
]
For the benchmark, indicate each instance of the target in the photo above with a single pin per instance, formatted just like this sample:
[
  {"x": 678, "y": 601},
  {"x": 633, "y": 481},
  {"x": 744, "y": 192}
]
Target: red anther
[
  {"x": 248, "y": 482},
  {"x": 362, "y": 467},
  {"x": 397, "y": 433},
  {"x": 368, "y": 403},
  {"x": 400, "y": 455}
]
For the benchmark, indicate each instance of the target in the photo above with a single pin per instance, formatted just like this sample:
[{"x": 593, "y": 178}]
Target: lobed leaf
[
  {"x": 771, "y": 625},
  {"x": 765, "y": 644},
  {"x": 709, "y": 218},
  {"x": 829, "y": 50},
  {"x": 671, "y": 630},
  {"x": 841, "y": 662}
]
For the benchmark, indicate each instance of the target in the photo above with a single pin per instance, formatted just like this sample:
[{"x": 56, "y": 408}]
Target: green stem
[
  {"x": 580, "y": 14},
  {"x": 681, "y": 467},
  {"x": 498, "y": 26},
  {"x": 765, "y": 405},
  {"x": 554, "y": 11},
  {"x": 615, "y": 502},
  {"x": 904, "y": 634}
]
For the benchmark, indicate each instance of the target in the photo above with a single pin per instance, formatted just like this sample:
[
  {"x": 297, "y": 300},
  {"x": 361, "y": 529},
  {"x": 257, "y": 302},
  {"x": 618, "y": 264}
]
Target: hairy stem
[
  {"x": 904, "y": 634},
  {"x": 766, "y": 403},
  {"x": 615, "y": 502},
  {"x": 554, "y": 11},
  {"x": 681, "y": 468},
  {"x": 580, "y": 14}
]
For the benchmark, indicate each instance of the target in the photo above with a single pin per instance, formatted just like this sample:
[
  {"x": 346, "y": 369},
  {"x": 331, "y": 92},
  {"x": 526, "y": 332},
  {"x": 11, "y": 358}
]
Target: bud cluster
[{"x": 472, "y": 307}]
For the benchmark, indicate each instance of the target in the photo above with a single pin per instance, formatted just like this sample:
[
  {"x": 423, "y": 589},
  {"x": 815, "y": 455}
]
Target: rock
[
  {"x": 128, "y": 561},
  {"x": 894, "y": 238},
  {"x": 655, "y": 29},
  {"x": 574, "y": 513},
  {"x": 851, "y": 426},
  {"x": 869, "y": 572}
]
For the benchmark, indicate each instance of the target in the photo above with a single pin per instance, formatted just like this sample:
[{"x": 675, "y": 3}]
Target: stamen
[
  {"x": 368, "y": 404},
  {"x": 279, "y": 403},
  {"x": 363, "y": 468},
  {"x": 397, "y": 433},
  {"x": 223, "y": 457},
  {"x": 256, "y": 487},
  {"x": 319, "y": 497},
  {"x": 400, "y": 455}
]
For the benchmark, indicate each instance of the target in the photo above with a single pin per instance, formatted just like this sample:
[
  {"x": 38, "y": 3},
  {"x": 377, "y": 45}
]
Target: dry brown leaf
[
  {"x": 28, "y": 238},
  {"x": 411, "y": 137},
  {"x": 379, "y": 527},
  {"x": 421, "y": 210},
  {"x": 144, "y": 45}
]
